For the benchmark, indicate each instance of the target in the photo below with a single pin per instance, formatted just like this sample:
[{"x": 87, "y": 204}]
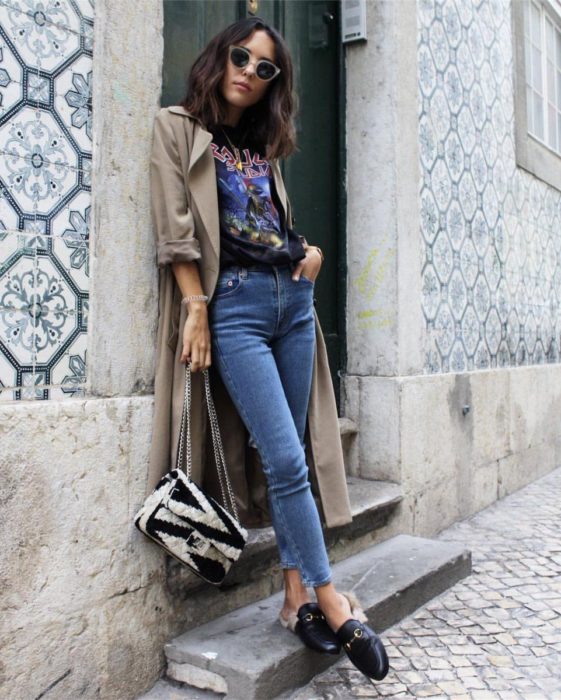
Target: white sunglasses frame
[{"x": 254, "y": 63}]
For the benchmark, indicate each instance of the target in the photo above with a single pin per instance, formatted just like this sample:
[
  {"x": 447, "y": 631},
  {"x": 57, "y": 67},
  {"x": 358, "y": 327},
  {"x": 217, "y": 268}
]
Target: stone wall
[
  {"x": 85, "y": 609},
  {"x": 453, "y": 265}
]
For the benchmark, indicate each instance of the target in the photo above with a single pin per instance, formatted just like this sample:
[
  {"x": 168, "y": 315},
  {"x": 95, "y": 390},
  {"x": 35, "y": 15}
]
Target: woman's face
[{"x": 240, "y": 87}]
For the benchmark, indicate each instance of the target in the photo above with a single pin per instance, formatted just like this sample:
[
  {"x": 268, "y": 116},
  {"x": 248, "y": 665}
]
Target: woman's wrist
[
  {"x": 194, "y": 298},
  {"x": 195, "y": 303},
  {"x": 318, "y": 251}
]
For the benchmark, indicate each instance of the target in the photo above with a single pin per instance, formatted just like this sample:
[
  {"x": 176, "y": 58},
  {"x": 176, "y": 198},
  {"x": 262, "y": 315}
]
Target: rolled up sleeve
[{"x": 174, "y": 226}]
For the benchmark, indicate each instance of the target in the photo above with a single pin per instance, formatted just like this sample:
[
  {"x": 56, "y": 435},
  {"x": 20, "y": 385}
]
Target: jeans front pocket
[
  {"x": 307, "y": 279},
  {"x": 228, "y": 283}
]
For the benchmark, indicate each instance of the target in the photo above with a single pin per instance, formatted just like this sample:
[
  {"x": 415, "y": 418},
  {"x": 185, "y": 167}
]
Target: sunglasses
[{"x": 264, "y": 70}]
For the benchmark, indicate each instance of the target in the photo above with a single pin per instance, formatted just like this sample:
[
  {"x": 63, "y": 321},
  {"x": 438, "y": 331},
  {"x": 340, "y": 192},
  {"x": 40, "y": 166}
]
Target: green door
[{"x": 313, "y": 175}]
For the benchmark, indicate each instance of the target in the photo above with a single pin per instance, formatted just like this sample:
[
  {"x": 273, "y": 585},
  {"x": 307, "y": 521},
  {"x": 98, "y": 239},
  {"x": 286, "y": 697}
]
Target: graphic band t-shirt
[{"x": 252, "y": 226}]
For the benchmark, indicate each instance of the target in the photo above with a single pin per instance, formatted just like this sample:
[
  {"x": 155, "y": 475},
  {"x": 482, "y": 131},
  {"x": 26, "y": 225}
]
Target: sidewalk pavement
[{"x": 496, "y": 635}]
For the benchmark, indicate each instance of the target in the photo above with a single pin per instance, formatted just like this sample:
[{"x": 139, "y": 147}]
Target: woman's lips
[{"x": 243, "y": 87}]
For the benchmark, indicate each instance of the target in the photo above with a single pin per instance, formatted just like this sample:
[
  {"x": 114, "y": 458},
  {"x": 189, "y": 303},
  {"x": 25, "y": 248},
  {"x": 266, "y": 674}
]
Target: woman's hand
[
  {"x": 310, "y": 265},
  {"x": 196, "y": 337}
]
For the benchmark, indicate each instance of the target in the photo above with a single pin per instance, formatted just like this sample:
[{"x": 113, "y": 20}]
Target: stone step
[
  {"x": 349, "y": 432},
  {"x": 247, "y": 654},
  {"x": 372, "y": 503},
  {"x": 166, "y": 689}
]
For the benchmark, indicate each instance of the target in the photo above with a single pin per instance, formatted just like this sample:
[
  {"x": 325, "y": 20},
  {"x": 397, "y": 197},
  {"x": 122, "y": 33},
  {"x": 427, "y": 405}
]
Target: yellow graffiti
[{"x": 368, "y": 283}]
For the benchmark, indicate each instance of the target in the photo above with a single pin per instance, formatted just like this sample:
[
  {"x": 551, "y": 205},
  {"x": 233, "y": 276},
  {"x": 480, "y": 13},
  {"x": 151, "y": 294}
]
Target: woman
[{"x": 257, "y": 323}]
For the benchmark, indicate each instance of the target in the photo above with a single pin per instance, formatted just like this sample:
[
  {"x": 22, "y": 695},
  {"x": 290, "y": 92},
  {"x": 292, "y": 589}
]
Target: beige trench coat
[{"x": 184, "y": 205}]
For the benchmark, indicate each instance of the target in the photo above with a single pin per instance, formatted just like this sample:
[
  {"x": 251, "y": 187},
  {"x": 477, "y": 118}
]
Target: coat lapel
[
  {"x": 201, "y": 175},
  {"x": 202, "y": 185}
]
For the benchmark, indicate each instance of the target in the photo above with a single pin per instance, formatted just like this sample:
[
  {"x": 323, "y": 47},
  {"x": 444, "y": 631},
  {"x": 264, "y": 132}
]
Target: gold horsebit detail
[
  {"x": 357, "y": 634},
  {"x": 310, "y": 616}
]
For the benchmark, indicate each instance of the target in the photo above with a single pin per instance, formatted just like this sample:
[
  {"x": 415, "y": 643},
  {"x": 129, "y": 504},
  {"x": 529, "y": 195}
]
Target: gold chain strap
[{"x": 184, "y": 448}]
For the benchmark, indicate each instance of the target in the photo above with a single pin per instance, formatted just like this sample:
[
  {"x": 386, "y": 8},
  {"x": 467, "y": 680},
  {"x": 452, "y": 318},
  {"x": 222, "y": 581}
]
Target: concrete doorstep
[{"x": 247, "y": 655}]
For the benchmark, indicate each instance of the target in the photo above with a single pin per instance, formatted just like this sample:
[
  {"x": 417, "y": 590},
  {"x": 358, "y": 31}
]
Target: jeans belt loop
[{"x": 243, "y": 273}]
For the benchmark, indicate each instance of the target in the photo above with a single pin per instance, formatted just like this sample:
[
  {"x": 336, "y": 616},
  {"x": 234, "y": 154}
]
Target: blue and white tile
[
  {"x": 18, "y": 256},
  {"x": 499, "y": 222},
  {"x": 54, "y": 289},
  {"x": 444, "y": 330},
  {"x": 10, "y": 219},
  {"x": 17, "y": 336},
  {"x": 37, "y": 186},
  {"x": 45, "y": 167},
  {"x": 430, "y": 292},
  {"x": 73, "y": 101},
  {"x": 39, "y": 43},
  {"x": 47, "y": 13},
  {"x": 72, "y": 221},
  {"x": 11, "y": 78},
  {"x": 69, "y": 369},
  {"x": 8, "y": 377},
  {"x": 73, "y": 256},
  {"x": 470, "y": 330},
  {"x": 52, "y": 334},
  {"x": 429, "y": 215},
  {"x": 40, "y": 89},
  {"x": 458, "y": 358},
  {"x": 33, "y": 134}
]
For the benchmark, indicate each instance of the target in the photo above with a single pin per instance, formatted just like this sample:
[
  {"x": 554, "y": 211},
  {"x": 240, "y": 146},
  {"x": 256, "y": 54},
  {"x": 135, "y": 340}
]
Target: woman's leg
[
  {"x": 294, "y": 348},
  {"x": 245, "y": 319}
]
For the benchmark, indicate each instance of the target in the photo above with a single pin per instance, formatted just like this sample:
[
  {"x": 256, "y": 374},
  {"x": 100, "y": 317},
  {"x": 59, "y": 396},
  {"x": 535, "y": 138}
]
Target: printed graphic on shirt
[{"x": 247, "y": 210}]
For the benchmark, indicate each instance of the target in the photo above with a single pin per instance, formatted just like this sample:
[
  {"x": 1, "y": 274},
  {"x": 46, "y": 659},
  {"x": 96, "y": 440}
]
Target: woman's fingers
[
  {"x": 310, "y": 269},
  {"x": 196, "y": 359},
  {"x": 186, "y": 351},
  {"x": 200, "y": 358},
  {"x": 298, "y": 269}
]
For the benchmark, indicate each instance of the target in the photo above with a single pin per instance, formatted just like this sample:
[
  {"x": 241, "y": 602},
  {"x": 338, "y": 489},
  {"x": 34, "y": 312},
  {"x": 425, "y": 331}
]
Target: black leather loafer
[
  {"x": 310, "y": 625},
  {"x": 364, "y": 648}
]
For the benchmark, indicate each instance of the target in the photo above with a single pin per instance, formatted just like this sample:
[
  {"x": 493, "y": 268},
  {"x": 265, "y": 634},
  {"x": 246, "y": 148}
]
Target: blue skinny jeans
[{"x": 263, "y": 338}]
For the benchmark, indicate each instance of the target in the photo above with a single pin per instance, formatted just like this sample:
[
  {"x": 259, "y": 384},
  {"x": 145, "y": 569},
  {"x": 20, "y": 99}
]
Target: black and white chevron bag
[{"x": 179, "y": 516}]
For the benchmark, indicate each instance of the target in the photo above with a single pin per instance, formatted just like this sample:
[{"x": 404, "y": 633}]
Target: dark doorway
[{"x": 313, "y": 175}]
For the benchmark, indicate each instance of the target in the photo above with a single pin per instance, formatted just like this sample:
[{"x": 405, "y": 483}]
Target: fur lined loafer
[
  {"x": 310, "y": 625},
  {"x": 364, "y": 648}
]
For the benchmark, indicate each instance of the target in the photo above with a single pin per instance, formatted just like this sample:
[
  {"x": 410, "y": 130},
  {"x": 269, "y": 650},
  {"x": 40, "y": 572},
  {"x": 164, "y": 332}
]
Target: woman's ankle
[
  {"x": 295, "y": 593},
  {"x": 335, "y": 606}
]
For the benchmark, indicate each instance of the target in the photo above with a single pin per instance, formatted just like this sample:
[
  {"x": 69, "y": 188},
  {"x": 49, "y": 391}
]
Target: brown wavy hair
[{"x": 269, "y": 122}]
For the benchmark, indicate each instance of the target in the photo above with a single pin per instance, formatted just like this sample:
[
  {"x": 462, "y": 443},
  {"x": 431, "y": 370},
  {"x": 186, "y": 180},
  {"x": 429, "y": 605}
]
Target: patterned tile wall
[
  {"x": 45, "y": 196},
  {"x": 491, "y": 232}
]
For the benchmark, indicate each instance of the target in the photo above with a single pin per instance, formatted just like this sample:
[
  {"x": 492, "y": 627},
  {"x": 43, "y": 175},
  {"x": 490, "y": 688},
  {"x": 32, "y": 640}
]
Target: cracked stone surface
[{"x": 496, "y": 635}]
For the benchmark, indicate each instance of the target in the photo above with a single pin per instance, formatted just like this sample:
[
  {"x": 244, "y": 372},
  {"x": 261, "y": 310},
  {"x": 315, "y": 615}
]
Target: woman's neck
[{"x": 233, "y": 116}]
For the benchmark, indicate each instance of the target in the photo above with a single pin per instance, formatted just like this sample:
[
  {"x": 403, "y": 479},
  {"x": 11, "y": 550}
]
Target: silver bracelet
[{"x": 194, "y": 297}]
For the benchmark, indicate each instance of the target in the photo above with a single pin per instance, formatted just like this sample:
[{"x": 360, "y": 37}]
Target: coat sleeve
[{"x": 174, "y": 226}]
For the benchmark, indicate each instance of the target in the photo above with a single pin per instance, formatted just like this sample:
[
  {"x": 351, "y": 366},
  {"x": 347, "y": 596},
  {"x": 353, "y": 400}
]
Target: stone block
[
  {"x": 350, "y": 408},
  {"x": 430, "y": 429},
  {"x": 82, "y": 594},
  {"x": 535, "y": 411},
  {"x": 379, "y": 434},
  {"x": 490, "y": 413},
  {"x": 525, "y": 466}
]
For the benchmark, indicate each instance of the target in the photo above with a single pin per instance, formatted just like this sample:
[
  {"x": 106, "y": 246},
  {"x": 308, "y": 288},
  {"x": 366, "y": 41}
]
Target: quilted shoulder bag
[{"x": 190, "y": 525}]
